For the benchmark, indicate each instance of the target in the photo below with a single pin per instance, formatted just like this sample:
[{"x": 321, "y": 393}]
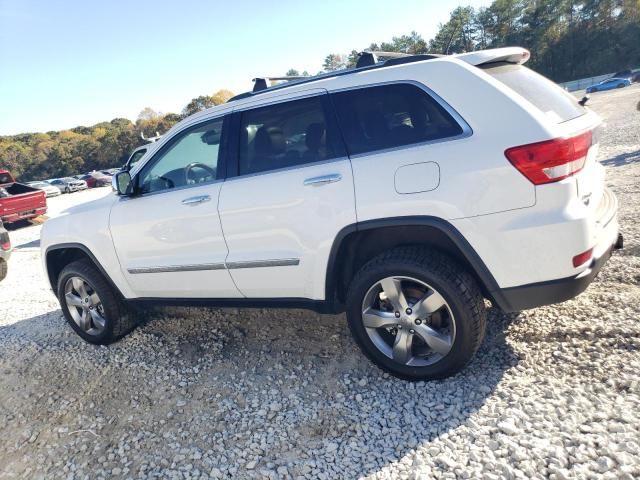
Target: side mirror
[
  {"x": 121, "y": 183},
  {"x": 583, "y": 101}
]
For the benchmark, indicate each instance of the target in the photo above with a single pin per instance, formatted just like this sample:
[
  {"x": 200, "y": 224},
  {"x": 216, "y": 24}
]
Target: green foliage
[
  {"x": 334, "y": 61},
  {"x": 568, "y": 39},
  {"x": 35, "y": 156}
]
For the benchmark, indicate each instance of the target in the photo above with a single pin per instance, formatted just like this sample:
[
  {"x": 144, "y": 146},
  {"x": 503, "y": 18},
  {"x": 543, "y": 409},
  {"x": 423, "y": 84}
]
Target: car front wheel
[
  {"x": 416, "y": 314},
  {"x": 91, "y": 306}
]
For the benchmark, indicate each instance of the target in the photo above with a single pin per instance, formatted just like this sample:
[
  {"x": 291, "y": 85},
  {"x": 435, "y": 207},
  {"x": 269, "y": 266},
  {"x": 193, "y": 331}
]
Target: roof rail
[
  {"x": 260, "y": 83},
  {"x": 367, "y": 60}
]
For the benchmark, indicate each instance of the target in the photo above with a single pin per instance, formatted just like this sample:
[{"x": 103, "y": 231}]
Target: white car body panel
[
  {"x": 156, "y": 233},
  {"x": 285, "y": 220},
  {"x": 522, "y": 233},
  {"x": 70, "y": 228}
]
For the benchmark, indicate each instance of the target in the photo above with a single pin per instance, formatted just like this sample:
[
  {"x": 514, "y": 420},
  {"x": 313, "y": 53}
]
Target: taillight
[
  {"x": 551, "y": 161},
  {"x": 5, "y": 246},
  {"x": 582, "y": 258}
]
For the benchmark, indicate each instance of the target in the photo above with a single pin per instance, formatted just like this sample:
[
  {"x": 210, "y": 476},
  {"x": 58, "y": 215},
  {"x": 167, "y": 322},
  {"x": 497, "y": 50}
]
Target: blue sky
[{"x": 76, "y": 62}]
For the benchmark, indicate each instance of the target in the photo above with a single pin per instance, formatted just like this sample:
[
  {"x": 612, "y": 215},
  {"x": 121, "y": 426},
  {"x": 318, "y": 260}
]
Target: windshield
[
  {"x": 5, "y": 178},
  {"x": 541, "y": 92}
]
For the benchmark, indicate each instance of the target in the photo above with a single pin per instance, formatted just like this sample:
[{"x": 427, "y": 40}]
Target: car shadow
[
  {"x": 32, "y": 244},
  {"x": 20, "y": 224},
  {"x": 622, "y": 159},
  {"x": 335, "y": 403}
]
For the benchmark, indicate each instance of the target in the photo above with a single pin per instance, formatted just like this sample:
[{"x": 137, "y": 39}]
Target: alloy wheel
[
  {"x": 408, "y": 321},
  {"x": 84, "y": 305}
]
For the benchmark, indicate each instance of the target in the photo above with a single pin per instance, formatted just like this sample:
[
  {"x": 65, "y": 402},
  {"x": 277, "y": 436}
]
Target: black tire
[
  {"x": 455, "y": 285},
  {"x": 3, "y": 269},
  {"x": 120, "y": 319},
  {"x": 67, "y": 190}
]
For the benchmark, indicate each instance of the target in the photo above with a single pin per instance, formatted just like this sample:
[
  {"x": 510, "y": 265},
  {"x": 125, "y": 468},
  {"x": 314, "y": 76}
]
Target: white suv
[{"x": 403, "y": 192}]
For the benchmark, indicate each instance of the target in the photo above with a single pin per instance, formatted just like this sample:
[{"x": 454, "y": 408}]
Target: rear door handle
[
  {"x": 323, "y": 179},
  {"x": 196, "y": 200}
]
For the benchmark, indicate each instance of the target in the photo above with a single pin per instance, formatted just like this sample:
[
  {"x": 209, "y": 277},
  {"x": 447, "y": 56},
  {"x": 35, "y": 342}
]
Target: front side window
[
  {"x": 285, "y": 135},
  {"x": 387, "y": 116},
  {"x": 190, "y": 159}
]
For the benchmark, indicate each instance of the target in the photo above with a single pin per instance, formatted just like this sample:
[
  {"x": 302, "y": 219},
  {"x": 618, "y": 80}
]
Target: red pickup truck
[{"x": 19, "y": 201}]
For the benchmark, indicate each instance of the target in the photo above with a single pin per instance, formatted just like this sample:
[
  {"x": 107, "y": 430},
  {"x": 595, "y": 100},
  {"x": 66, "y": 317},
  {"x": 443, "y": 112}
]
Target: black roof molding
[{"x": 366, "y": 61}]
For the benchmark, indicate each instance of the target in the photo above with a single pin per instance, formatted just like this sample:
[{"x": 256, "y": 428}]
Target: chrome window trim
[
  {"x": 467, "y": 131},
  {"x": 282, "y": 262},
  {"x": 284, "y": 98},
  {"x": 286, "y": 169},
  {"x": 169, "y": 190}
]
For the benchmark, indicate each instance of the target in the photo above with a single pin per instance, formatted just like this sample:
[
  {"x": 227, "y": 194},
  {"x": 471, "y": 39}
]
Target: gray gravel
[{"x": 195, "y": 393}]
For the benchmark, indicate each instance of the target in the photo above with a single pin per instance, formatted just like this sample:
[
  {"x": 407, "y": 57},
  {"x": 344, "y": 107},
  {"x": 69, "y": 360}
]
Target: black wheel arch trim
[
  {"x": 480, "y": 269},
  {"x": 88, "y": 253}
]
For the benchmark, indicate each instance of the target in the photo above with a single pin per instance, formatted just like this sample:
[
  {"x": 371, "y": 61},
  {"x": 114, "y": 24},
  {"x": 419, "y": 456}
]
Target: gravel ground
[{"x": 197, "y": 393}]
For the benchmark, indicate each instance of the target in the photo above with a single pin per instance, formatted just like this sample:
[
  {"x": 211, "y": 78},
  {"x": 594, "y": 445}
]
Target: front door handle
[
  {"x": 323, "y": 179},
  {"x": 196, "y": 200}
]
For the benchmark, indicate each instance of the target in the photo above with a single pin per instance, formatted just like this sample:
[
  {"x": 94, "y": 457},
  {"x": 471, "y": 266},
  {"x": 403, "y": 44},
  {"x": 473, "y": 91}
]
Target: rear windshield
[{"x": 552, "y": 100}]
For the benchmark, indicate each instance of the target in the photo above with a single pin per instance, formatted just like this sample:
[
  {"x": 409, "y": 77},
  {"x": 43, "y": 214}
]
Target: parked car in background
[
  {"x": 69, "y": 184},
  {"x": 47, "y": 188},
  {"x": 19, "y": 201},
  {"x": 111, "y": 171},
  {"x": 5, "y": 251},
  {"x": 609, "y": 84},
  {"x": 96, "y": 179}
]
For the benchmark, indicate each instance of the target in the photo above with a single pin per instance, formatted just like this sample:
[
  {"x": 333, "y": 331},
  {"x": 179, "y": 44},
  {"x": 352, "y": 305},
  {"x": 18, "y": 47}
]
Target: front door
[
  {"x": 290, "y": 194},
  {"x": 168, "y": 235}
]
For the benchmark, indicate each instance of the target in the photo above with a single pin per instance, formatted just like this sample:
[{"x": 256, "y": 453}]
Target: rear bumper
[
  {"x": 534, "y": 295},
  {"x": 14, "y": 217}
]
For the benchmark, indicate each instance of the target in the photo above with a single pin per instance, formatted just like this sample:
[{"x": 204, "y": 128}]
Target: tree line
[
  {"x": 34, "y": 156},
  {"x": 568, "y": 39}
]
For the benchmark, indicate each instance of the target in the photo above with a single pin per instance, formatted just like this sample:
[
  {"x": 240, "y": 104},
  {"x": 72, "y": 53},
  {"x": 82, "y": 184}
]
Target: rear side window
[
  {"x": 387, "y": 116},
  {"x": 287, "y": 134},
  {"x": 553, "y": 101}
]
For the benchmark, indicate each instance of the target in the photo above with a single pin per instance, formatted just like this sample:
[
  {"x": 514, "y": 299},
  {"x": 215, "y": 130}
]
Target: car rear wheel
[
  {"x": 416, "y": 314},
  {"x": 91, "y": 306}
]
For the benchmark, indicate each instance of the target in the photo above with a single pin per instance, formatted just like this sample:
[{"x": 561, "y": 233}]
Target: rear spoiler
[{"x": 516, "y": 55}]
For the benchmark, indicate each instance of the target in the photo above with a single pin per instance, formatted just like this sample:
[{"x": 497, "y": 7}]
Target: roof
[{"x": 369, "y": 61}]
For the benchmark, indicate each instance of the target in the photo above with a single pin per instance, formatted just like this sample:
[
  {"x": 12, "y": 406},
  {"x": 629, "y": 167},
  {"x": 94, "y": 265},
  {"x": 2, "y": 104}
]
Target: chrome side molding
[{"x": 285, "y": 262}]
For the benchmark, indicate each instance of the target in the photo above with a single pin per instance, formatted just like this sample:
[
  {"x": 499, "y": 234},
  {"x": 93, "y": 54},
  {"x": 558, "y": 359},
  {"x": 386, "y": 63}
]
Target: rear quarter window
[
  {"x": 558, "y": 105},
  {"x": 387, "y": 116}
]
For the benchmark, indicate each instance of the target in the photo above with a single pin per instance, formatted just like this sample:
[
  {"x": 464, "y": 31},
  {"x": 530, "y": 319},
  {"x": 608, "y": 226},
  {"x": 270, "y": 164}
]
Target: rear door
[{"x": 290, "y": 193}]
